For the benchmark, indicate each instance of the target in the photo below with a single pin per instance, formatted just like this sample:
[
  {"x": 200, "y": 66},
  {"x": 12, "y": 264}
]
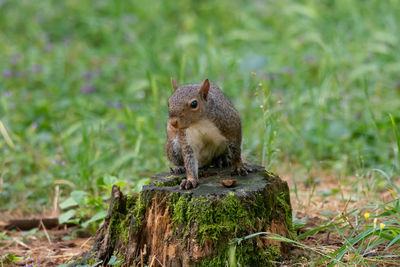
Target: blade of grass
[{"x": 397, "y": 135}]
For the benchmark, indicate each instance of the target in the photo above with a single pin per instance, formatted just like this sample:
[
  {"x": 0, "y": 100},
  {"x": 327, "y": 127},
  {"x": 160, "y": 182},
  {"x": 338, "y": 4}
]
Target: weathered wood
[{"x": 165, "y": 226}]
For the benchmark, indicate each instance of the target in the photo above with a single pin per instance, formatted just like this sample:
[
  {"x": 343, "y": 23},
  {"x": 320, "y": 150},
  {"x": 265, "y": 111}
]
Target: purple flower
[
  {"x": 66, "y": 40},
  {"x": 288, "y": 70},
  {"x": 271, "y": 76},
  {"x": 88, "y": 75},
  {"x": 7, "y": 73},
  {"x": 53, "y": 162},
  {"x": 34, "y": 125},
  {"x": 121, "y": 126},
  {"x": 398, "y": 85},
  {"x": 129, "y": 19},
  {"x": 63, "y": 163},
  {"x": 49, "y": 47},
  {"x": 87, "y": 89},
  {"x": 7, "y": 94},
  {"x": 113, "y": 60},
  {"x": 37, "y": 68},
  {"x": 309, "y": 59},
  {"x": 15, "y": 59},
  {"x": 119, "y": 106}
]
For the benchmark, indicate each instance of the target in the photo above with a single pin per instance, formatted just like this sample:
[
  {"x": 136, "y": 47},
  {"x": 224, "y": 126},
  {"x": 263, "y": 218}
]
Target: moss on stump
[{"x": 165, "y": 226}]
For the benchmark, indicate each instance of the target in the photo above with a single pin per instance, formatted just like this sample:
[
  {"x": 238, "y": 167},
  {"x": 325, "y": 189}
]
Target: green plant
[{"x": 86, "y": 210}]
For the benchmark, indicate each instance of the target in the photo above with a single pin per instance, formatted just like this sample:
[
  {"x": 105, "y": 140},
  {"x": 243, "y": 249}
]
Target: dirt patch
[{"x": 39, "y": 248}]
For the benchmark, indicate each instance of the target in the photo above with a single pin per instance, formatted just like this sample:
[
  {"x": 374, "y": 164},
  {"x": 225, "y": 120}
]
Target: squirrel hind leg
[{"x": 240, "y": 169}]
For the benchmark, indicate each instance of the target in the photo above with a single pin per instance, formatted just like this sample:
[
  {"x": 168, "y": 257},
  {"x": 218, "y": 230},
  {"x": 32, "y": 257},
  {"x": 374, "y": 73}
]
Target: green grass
[
  {"x": 84, "y": 87},
  {"x": 332, "y": 65}
]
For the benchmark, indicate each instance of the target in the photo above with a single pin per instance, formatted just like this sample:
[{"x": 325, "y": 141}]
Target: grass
[{"x": 84, "y": 88}]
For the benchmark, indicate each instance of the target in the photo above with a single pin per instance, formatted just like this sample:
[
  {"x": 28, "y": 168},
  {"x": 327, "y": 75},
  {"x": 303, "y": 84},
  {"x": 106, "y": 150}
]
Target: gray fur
[{"x": 216, "y": 108}]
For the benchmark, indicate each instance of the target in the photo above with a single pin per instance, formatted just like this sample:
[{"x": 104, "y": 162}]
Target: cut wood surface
[{"x": 166, "y": 226}]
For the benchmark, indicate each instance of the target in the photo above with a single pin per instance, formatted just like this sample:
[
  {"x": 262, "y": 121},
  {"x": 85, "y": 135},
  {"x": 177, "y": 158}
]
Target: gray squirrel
[{"x": 203, "y": 129}]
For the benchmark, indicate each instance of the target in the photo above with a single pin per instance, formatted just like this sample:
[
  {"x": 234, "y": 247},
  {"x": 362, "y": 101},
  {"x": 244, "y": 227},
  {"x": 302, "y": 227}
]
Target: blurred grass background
[{"x": 84, "y": 86}]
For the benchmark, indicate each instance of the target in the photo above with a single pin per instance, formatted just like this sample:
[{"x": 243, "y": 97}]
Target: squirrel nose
[{"x": 174, "y": 123}]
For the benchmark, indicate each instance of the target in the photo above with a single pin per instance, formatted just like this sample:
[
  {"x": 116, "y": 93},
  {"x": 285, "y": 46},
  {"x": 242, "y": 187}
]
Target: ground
[{"x": 36, "y": 248}]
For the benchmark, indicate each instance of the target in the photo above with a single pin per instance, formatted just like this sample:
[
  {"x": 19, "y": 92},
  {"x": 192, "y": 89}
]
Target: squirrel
[{"x": 203, "y": 129}]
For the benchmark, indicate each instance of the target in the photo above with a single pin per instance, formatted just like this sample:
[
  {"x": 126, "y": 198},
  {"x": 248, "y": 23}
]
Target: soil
[{"x": 38, "y": 250}]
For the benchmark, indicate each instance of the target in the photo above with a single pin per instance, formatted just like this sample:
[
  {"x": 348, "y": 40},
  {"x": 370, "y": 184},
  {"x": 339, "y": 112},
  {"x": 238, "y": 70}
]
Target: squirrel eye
[{"x": 193, "y": 104}]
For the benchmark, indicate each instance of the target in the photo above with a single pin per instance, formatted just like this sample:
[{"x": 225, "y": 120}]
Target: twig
[
  {"x": 62, "y": 256},
  {"x": 84, "y": 243},
  {"x": 141, "y": 258},
  {"x": 162, "y": 265},
  {"x": 152, "y": 261},
  {"x": 45, "y": 232},
  {"x": 344, "y": 213},
  {"x": 55, "y": 201},
  {"x": 19, "y": 242}
]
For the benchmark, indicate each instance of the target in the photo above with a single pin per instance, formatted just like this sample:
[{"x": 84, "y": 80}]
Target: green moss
[
  {"x": 172, "y": 200},
  {"x": 216, "y": 219},
  {"x": 219, "y": 260},
  {"x": 169, "y": 181},
  {"x": 131, "y": 201},
  {"x": 120, "y": 223},
  {"x": 124, "y": 231},
  {"x": 91, "y": 262},
  {"x": 245, "y": 254},
  {"x": 115, "y": 227},
  {"x": 260, "y": 207},
  {"x": 249, "y": 254},
  {"x": 180, "y": 209},
  {"x": 283, "y": 202},
  {"x": 213, "y": 218},
  {"x": 229, "y": 217},
  {"x": 268, "y": 174},
  {"x": 120, "y": 220},
  {"x": 283, "y": 199},
  {"x": 272, "y": 253},
  {"x": 139, "y": 209}
]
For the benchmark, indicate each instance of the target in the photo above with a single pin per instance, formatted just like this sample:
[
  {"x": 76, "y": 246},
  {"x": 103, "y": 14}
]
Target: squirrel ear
[
  {"x": 204, "y": 88},
  {"x": 174, "y": 84}
]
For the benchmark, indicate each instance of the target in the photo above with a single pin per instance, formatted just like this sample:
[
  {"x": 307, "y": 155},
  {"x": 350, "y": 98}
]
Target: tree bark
[{"x": 166, "y": 226}]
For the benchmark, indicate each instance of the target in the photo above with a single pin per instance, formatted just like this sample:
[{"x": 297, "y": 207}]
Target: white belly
[{"x": 206, "y": 141}]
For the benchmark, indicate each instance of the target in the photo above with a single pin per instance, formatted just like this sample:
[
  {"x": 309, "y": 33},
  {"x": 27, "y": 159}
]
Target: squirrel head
[{"x": 187, "y": 104}]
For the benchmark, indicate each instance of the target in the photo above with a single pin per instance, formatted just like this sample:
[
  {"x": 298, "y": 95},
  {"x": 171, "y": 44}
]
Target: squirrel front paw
[
  {"x": 177, "y": 169},
  {"x": 240, "y": 170},
  {"x": 188, "y": 184}
]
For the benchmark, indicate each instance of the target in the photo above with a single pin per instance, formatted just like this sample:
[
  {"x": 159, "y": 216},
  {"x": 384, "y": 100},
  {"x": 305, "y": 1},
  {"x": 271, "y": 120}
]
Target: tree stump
[{"x": 166, "y": 226}]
